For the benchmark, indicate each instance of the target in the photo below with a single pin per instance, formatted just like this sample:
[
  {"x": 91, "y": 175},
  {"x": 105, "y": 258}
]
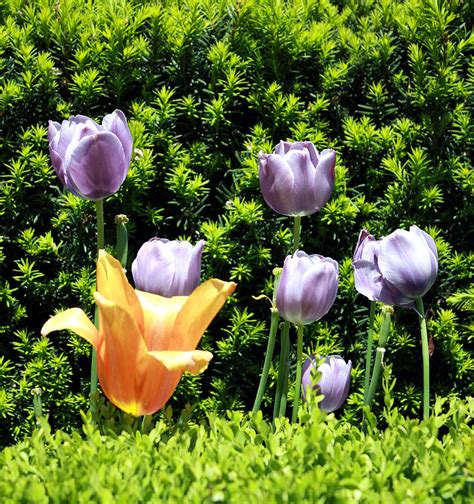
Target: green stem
[
  {"x": 286, "y": 370},
  {"x": 281, "y": 370},
  {"x": 296, "y": 233},
  {"x": 99, "y": 205},
  {"x": 368, "y": 355},
  {"x": 270, "y": 345},
  {"x": 144, "y": 422},
  {"x": 383, "y": 335},
  {"x": 268, "y": 360},
  {"x": 37, "y": 404},
  {"x": 121, "y": 247},
  {"x": 426, "y": 358},
  {"x": 299, "y": 364}
]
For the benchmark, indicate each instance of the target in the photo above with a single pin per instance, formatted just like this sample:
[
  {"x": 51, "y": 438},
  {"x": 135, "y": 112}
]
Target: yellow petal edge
[
  {"x": 194, "y": 361},
  {"x": 75, "y": 320}
]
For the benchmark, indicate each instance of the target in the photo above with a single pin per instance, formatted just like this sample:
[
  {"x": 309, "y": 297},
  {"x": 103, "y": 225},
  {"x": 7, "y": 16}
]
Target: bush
[
  {"x": 206, "y": 85},
  {"x": 242, "y": 459}
]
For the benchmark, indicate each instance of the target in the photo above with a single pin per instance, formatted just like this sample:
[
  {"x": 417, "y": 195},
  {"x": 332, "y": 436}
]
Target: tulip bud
[
  {"x": 307, "y": 288},
  {"x": 333, "y": 384},
  {"x": 296, "y": 179},
  {"x": 168, "y": 268},
  {"x": 397, "y": 269},
  {"x": 91, "y": 160}
]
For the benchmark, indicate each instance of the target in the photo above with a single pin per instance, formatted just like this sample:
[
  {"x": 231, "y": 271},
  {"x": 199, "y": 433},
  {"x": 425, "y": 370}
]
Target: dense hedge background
[{"x": 206, "y": 85}]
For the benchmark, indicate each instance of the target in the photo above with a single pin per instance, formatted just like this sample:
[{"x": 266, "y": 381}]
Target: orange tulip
[{"x": 144, "y": 342}]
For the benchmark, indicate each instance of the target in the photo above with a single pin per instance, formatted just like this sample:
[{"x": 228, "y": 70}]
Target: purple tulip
[
  {"x": 307, "y": 288},
  {"x": 90, "y": 159},
  {"x": 296, "y": 179},
  {"x": 397, "y": 269},
  {"x": 334, "y": 383},
  {"x": 168, "y": 268}
]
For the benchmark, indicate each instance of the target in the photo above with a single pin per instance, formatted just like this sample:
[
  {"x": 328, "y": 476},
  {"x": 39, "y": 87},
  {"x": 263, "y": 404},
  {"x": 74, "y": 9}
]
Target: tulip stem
[
  {"x": 383, "y": 336},
  {"x": 286, "y": 369},
  {"x": 270, "y": 345},
  {"x": 268, "y": 360},
  {"x": 426, "y": 358},
  {"x": 368, "y": 354},
  {"x": 37, "y": 404},
  {"x": 296, "y": 233},
  {"x": 99, "y": 205},
  {"x": 121, "y": 247},
  {"x": 299, "y": 357},
  {"x": 281, "y": 369}
]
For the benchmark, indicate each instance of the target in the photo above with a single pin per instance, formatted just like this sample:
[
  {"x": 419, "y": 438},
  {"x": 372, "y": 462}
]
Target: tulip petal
[
  {"x": 195, "y": 361},
  {"x": 57, "y": 163},
  {"x": 198, "y": 311},
  {"x": 121, "y": 349},
  {"x": 154, "y": 267},
  {"x": 159, "y": 317},
  {"x": 60, "y": 136},
  {"x": 117, "y": 124},
  {"x": 96, "y": 166},
  {"x": 276, "y": 183},
  {"x": 406, "y": 262},
  {"x": 319, "y": 285},
  {"x": 282, "y": 148},
  {"x": 313, "y": 152},
  {"x": 113, "y": 285},
  {"x": 307, "y": 288},
  {"x": 290, "y": 292},
  {"x": 187, "y": 266},
  {"x": 75, "y": 320},
  {"x": 324, "y": 177},
  {"x": 305, "y": 185},
  {"x": 168, "y": 268},
  {"x": 81, "y": 119},
  {"x": 368, "y": 278},
  {"x": 423, "y": 235},
  {"x": 131, "y": 378}
]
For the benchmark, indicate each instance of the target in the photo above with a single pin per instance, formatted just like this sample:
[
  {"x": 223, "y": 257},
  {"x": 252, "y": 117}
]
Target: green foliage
[
  {"x": 206, "y": 85},
  {"x": 242, "y": 458}
]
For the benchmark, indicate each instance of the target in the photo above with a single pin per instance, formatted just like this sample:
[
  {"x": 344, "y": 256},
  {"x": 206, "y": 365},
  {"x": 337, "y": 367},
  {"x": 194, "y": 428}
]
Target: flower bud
[
  {"x": 296, "y": 179},
  {"x": 91, "y": 160},
  {"x": 168, "y": 268},
  {"x": 307, "y": 288},
  {"x": 397, "y": 269},
  {"x": 333, "y": 384}
]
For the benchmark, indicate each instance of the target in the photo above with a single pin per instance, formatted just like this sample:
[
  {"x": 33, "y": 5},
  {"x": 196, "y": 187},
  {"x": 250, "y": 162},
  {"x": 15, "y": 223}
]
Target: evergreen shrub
[{"x": 206, "y": 85}]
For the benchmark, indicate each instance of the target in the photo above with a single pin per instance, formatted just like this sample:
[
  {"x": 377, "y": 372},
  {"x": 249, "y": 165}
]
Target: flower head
[
  {"x": 91, "y": 160},
  {"x": 168, "y": 268},
  {"x": 334, "y": 383},
  {"x": 144, "y": 342},
  {"x": 307, "y": 288},
  {"x": 397, "y": 269},
  {"x": 296, "y": 179}
]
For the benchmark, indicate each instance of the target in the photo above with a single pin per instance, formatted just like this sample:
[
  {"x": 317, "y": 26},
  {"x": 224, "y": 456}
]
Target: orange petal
[
  {"x": 121, "y": 349},
  {"x": 195, "y": 361},
  {"x": 75, "y": 320},
  {"x": 198, "y": 311},
  {"x": 113, "y": 285},
  {"x": 160, "y": 314},
  {"x": 157, "y": 386}
]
